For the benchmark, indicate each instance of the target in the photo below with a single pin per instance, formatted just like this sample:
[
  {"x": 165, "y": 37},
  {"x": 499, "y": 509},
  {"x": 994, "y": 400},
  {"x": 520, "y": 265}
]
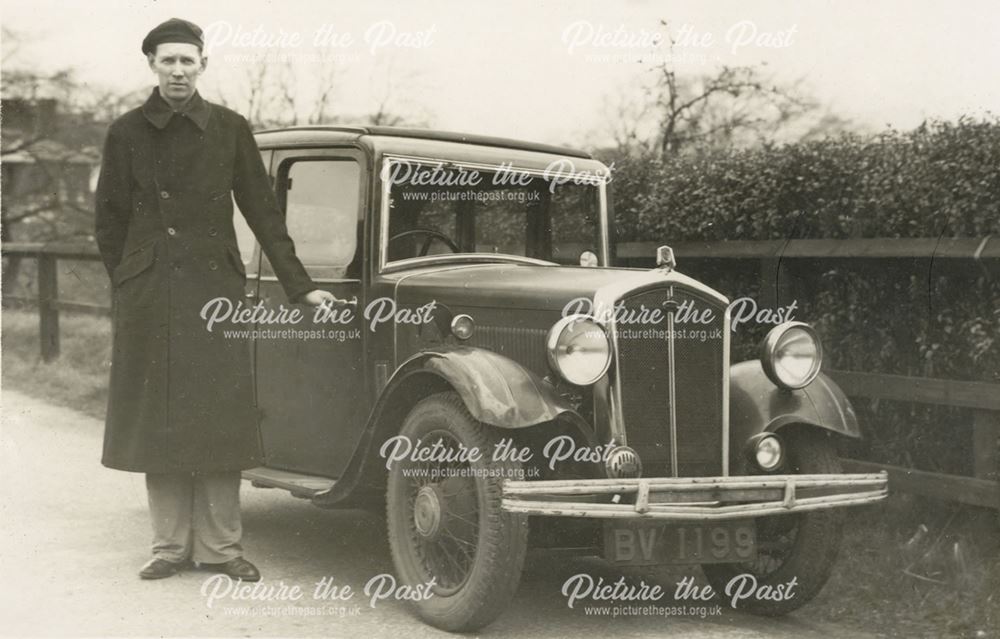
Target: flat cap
[{"x": 173, "y": 30}]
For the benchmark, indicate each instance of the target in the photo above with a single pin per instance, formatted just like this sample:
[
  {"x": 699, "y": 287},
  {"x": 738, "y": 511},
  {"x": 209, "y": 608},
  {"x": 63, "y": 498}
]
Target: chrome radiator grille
[{"x": 683, "y": 422}]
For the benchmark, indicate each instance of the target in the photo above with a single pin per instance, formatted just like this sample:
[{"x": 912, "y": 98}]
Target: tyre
[
  {"x": 802, "y": 546},
  {"x": 445, "y": 521}
]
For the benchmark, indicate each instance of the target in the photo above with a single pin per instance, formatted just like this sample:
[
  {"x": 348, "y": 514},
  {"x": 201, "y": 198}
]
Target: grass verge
[
  {"x": 945, "y": 584},
  {"x": 78, "y": 379}
]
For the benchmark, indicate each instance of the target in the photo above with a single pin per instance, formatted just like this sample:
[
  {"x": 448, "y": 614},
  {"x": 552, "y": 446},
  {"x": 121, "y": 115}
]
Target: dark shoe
[
  {"x": 157, "y": 568},
  {"x": 237, "y": 568}
]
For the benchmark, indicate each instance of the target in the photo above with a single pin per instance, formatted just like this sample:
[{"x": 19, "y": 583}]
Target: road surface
[{"x": 74, "y": 534}]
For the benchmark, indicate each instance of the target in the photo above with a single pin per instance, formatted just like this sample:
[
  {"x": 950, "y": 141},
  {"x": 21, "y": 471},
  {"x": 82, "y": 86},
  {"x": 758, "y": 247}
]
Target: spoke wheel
[
  {"x": 444, "y": 529},
  {"x": 802, "y": 547},
  {"x": 775, "y": 544},
  {"x": 446, "y": 525}
]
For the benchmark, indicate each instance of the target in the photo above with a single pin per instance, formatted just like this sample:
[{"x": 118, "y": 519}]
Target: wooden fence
[
  {"x": 773, "y": 257},
  {"x": 980, "y": 489},
  {"x": 47, "y": 299}
]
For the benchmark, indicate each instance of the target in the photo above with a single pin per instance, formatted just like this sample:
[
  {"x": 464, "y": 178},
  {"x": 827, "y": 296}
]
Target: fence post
[
  {"x": 986, "y": 448},
  {"x": 48, "y": 311},
  {"x": 769, "y": 282},
  {"x": 985, "y": 444}
]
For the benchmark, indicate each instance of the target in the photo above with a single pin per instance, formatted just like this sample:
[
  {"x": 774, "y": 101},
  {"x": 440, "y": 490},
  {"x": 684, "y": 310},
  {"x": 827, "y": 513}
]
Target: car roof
[{"x": 312, "y": 134}]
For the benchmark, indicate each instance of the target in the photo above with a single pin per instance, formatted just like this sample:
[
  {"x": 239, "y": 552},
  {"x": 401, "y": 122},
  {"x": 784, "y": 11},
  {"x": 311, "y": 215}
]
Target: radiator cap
[{"x": 665, "y": 258}]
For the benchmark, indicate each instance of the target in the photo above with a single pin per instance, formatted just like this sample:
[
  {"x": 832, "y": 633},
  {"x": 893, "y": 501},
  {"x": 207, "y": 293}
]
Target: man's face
[{"x": 177, "y": 65}]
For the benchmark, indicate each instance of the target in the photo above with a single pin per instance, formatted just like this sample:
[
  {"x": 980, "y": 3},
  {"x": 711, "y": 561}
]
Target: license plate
[{"x": 646, "y": 543}]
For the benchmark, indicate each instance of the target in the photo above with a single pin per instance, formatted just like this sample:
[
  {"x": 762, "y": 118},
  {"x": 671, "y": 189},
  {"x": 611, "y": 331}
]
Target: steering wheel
[{"x": 431, "y": 236}]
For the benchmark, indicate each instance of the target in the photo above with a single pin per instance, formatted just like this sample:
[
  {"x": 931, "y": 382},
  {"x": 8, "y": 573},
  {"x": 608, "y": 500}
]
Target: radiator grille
[{"x": 644, "y": 377}]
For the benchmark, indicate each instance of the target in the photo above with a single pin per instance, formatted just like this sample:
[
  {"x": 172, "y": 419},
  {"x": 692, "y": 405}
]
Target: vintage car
[{"x": 494, "y": 383}]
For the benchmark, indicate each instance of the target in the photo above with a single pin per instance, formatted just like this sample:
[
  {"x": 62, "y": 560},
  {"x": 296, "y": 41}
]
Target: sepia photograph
[{"x": 644, "y": 318}]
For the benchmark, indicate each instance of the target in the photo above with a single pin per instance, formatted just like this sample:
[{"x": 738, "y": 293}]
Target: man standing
[{"x": 181, "y": 405}]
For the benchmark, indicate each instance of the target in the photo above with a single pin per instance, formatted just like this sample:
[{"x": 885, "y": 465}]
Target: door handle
[{"x": 249, "y": 295}]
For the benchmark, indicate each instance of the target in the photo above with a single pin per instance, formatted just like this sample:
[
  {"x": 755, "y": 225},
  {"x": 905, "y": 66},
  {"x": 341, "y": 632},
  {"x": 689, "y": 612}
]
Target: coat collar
[{"x": 158, "y": 112}]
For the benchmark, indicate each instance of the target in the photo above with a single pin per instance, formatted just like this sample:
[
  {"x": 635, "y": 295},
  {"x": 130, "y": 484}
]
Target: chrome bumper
[{"x": 693, "y": 498}]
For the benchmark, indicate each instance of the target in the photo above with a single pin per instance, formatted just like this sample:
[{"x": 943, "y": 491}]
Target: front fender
[
  {"x": 497, "y": 390},
  {"x": 756, "y": 404}
]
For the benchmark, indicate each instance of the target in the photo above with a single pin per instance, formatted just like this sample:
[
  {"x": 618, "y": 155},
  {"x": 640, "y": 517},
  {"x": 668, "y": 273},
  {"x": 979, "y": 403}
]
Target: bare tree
[
  {"x": 252, "y": 94},
  {"x": 48, "y": 146},
  {"x": 627, "y": 121},
  {"x": 714, "y": 109},
  {"x": 48, "y": 152},
  {"x": 323, "y": 100},
  {"x": 735, "y": 105},
  {"x": 385, "y": 95},
  {"x": 287, "y": 93},
  {"x": 271, "y": 93}
]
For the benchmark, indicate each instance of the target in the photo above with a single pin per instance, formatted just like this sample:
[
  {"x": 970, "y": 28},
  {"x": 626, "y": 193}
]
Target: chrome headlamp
[
  {"x": 579, "y": 350},
  {"x": 791, "y": 355}
]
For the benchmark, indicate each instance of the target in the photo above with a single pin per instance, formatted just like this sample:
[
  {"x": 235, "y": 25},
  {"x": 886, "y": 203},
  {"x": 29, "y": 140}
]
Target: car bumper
[{"x": 693, "y": 498}]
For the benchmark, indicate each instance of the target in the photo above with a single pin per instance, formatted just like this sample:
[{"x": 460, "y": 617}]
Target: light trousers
[{"x": 195, "y": 516}]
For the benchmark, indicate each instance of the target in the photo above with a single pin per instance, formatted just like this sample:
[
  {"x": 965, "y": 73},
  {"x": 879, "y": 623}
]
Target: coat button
[
  {"x": 171, "y": 230},
  {"x": 213, "y": 265},
  {"x": 212, "y": 231},
  {"x": 164, "y": 195},
  {"x": 176, "y": 266}
]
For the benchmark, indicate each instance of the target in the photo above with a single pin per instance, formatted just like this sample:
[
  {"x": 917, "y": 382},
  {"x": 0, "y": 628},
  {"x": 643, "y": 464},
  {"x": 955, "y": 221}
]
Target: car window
[
  {"x": 448, "y": 213},
  {"x": 320, "y": 198},
  {"x": 245, "y": 239}
]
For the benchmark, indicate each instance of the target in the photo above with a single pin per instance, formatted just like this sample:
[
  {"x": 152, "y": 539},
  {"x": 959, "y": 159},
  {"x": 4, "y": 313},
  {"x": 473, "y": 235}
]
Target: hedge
[{"x": 905, "y": 317}]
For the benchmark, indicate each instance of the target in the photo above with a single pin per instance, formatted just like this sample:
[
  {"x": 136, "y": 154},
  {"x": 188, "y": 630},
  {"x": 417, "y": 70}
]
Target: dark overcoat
[{"x": 181, "y": 396}]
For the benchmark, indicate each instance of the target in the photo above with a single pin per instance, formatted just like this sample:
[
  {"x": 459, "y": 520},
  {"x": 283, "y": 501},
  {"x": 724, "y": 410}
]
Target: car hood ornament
[{"x": 665, "y": 258}]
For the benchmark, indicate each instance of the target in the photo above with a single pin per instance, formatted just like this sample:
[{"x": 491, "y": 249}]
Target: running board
[{"x": 300, "y": 485}]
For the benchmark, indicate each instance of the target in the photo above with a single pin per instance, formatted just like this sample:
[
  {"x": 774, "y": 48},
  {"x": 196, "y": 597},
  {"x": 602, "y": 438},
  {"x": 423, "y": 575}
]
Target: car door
[
  {"x": 249, "y": 251},
  {"x": 310, "y": 376}
]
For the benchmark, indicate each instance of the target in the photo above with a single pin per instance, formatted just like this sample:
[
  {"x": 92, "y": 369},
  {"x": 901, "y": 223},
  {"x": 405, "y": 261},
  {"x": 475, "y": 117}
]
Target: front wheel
[
  {"x": 801, "y": 547},
  {"x": 448, "y": 533}
]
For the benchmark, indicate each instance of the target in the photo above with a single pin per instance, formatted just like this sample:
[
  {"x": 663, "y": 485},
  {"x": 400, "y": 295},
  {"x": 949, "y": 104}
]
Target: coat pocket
[{"x": 134, "y": 263}]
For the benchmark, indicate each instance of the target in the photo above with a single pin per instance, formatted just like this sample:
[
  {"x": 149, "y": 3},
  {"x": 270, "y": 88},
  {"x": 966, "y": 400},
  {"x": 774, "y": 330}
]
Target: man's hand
[{"x": 317, "y": 297}]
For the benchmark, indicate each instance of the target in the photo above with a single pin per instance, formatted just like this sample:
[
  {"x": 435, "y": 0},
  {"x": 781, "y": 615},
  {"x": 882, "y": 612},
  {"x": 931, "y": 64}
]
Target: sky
[{"x": 544, "y": 70}]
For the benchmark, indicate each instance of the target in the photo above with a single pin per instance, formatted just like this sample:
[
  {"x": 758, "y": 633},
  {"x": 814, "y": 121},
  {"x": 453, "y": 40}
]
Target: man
[{"x": 181, "y": 400}]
